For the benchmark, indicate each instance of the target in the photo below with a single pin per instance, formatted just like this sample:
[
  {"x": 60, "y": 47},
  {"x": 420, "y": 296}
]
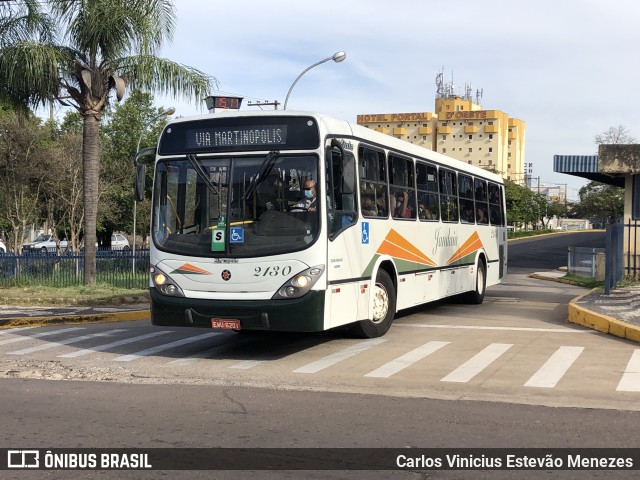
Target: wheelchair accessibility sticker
[
  {"x": 365, "y": 233},
  {"x": 236, "y": 235}
]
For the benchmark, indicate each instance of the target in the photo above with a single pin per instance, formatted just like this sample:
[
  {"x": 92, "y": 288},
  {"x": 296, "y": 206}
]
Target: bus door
[{"x": 343, "y": 238}]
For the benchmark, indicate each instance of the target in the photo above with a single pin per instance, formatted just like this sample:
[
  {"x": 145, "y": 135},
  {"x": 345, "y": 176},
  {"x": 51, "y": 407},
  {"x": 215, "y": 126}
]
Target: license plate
[{"x": 225, "y": 324}]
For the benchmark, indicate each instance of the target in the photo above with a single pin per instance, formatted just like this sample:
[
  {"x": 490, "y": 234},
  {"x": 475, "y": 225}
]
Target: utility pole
[{"x": 266, "y": 103}]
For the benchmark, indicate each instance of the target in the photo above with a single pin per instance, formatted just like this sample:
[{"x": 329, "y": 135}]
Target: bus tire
[
  {"x": 384, "y": 309},
  {"x": 476, "y": 296}
]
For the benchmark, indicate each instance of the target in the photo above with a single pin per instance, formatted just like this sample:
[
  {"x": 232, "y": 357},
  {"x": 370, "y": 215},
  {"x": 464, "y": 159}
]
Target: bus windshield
[{"x": 240, "y": 206}]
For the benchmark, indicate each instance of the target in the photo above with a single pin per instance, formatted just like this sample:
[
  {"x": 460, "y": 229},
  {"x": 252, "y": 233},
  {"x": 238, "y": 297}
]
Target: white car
[
  {"x": 3, "y": 247},
  {"x": 43, "y": 244},
  {"x": 119, "y": 242}
]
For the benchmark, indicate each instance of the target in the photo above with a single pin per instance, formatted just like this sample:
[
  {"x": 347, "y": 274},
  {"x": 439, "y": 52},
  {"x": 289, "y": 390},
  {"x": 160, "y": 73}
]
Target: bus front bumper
[{"x": 304, "y": 314}]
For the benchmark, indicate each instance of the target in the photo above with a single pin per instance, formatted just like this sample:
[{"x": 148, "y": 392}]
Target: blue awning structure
[{"x": 585, "y": 166}]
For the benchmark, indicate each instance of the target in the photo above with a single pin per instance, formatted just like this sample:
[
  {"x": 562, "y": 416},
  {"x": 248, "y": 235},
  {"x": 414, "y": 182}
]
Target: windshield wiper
[
  {"x": 197, "y": 166},
  {"x": 265, "y": 168}
]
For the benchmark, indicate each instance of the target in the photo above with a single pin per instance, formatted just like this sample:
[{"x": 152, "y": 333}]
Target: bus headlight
[
  {"x": 299, "y": 284},
  {"x": 164, "y": 284}
]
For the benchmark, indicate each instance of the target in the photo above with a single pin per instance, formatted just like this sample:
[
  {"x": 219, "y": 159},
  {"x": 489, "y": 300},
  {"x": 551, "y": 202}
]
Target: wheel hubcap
[{"x": 380, "y": 303}]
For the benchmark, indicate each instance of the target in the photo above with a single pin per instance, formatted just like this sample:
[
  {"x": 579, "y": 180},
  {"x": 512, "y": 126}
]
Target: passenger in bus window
[
  {"x": 423, "y": 212},
  {"x": 381, "y": 202},
  {"x": 481, "y": 215},
  {"x": 369, "y": 208},
  {"x": 402, "y": 208}
]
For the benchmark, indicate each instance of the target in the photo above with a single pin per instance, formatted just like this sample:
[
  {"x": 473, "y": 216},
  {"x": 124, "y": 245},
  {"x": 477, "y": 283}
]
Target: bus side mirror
[{"x": 141, "y": 174}]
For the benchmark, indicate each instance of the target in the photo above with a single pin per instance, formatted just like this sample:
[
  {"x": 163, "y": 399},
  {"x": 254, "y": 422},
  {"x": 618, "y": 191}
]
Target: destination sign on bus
[
  {"x": 234, "y": 134},
  {"x": 237, "y": 136}
]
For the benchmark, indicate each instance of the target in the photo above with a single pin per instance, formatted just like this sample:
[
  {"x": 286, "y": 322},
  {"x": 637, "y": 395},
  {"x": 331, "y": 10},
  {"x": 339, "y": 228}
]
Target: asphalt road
[{"x": 549, "y": 252}]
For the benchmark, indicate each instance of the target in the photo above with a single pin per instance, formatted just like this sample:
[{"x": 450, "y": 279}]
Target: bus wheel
[
  {"x": 384, "y": 309},
  {"x": 476, "y": 296}
]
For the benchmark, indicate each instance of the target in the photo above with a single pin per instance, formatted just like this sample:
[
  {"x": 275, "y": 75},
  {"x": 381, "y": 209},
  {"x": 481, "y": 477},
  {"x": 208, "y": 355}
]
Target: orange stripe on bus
[{"x": 472, "y": 244}]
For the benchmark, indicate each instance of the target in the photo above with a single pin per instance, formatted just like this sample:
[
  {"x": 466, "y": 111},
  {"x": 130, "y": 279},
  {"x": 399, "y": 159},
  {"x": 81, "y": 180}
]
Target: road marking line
[
  {"x": 630, "y": 381},
  {"x": 201, "y": 355},
  {"x": 409, "y": 358},
  {"x": 166, "y": 346},
  {"x": 106, "y": 346},
  {"x": 477, "y": 363},
  {"x": 476, "y": 327},
  {"x": 247, "y": 364},
  {"x": 38, "y": 335},
  {"x": 334, "y": 358},
  {"x": 68, "y": 341},
  {"x": 555, "y": 367},
  {"x": 12, "y": 330}
]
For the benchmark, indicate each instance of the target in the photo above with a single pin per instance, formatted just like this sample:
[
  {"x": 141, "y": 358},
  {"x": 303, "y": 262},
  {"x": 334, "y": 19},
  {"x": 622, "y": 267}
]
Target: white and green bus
[{"x": 386, "y": 225}]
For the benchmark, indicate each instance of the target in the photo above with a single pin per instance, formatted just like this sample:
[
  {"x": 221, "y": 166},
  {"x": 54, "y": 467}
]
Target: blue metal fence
[{"x": 113, "y": 267}]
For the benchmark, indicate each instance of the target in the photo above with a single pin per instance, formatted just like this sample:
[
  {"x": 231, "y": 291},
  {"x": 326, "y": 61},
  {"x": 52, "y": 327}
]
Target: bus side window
[
  {"x": 495, "y": 205},
  {"x": 448, "y": 195},
  {"x": 428, "y": 205},
  {"x": 373, "y": 183}
]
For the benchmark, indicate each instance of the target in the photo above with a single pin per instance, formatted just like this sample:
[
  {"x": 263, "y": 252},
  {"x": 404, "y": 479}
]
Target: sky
[{"x": 567, "y": 68}]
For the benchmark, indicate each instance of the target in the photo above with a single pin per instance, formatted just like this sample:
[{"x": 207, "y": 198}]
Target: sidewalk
[
  {"x": 616, "y": 314},
  {"x": 121, "y": 309}
]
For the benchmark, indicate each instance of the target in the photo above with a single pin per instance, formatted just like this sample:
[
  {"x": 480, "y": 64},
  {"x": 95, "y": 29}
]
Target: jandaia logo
[{"x": 443, "y": 239}]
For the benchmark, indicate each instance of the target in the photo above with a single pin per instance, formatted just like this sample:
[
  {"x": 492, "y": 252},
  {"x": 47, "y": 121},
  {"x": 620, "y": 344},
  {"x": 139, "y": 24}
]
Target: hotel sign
[{"x": 395, "y": 117}]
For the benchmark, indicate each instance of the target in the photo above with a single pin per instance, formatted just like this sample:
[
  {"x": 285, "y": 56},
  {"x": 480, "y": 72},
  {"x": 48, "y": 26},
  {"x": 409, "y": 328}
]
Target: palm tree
[{"x": 80, "y": 52}]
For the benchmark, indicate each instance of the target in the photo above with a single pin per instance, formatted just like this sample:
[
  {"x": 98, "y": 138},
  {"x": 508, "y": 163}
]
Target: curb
[
  {"x": 75, "y": 319},
  {"x": 600, "y": 322}
]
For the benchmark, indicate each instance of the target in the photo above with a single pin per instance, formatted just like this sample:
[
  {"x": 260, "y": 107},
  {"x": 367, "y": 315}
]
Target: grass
[
  {"x": 577, "y": 280},
  {"x": 529, "y": 233},
  {"x": 99, "y": 294}
]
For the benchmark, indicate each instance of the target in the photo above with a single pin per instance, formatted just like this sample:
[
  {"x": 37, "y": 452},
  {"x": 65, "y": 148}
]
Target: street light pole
[
  {"x": 164, "y": 113},
  {"x": 336, "y": 57}
]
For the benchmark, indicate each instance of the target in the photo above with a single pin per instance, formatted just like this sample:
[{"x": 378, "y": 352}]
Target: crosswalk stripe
[
  {"x": 406, "y": 360},
  {"x": 161, "y": 348},
  {"x": 39, "y": 335},
  {"x": 247, "y": 364},
  {"x": 555, "y": 367},
  {"x": 334, "y": 358},
  {"x": 200, "y": 355},
  {"x": 630, "y": 381},
  {"x": 13, "y": 330},
  {"x": 106, "y": 346},
  {"x": 477, "y": 363},
  {"x": 68, "y": 341}
]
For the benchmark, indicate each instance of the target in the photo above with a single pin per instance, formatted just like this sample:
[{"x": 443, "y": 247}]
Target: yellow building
[{"x": 461, "y": 129}]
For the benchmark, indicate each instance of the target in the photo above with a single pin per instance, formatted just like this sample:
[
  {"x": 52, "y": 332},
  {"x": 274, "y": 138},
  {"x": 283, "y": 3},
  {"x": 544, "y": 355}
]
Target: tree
[
  {"x": 79, "y": 53},
  {"x": 601, "y": 202},
  {"x": 614, "y": 136},
  {"x": 524, "y": 207},
  {"x": 134, "y": 120}
]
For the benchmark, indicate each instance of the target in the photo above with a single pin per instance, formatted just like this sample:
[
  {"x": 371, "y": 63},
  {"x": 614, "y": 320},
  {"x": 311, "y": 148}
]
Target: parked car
[
  {"x": 3, "y": 247},
  {"x": 119, "y": 242},
  {"x": 43, "y": 244}
]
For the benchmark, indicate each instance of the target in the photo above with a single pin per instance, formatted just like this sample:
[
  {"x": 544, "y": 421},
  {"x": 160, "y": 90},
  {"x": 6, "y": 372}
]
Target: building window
[
  {"x": 444, "y": 150},
  {"x": 470, "y": 137},
  {"x": 490, "y": 162},
  {"x": 490, "y": 149},
  {"x": 491, "y": 136},
  {"x": 470, "y": 149},
  {"x": 490, "y": 123}
]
